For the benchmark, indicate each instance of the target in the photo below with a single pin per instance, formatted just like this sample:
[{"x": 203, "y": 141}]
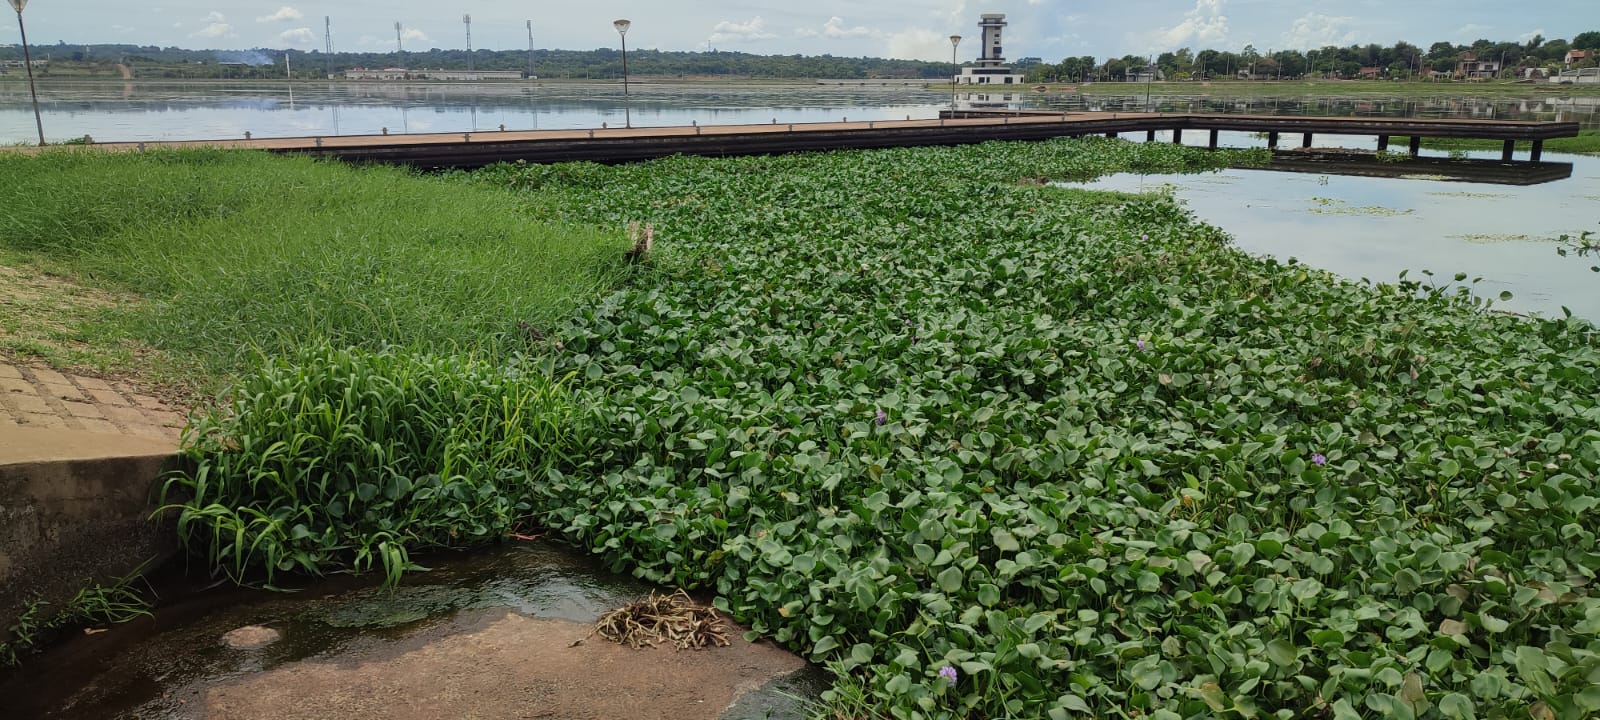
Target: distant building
[
  {"x": 1371, "y": 73},
  {"x": 455, "y": 75},
  {"x": 1469, "y": 66},
  {"x": 991, "y": 68},
  {"x": 1146, "y": 74},
  {"x": 384, "y": 74},
  {"x": 1575, "y": 56}
]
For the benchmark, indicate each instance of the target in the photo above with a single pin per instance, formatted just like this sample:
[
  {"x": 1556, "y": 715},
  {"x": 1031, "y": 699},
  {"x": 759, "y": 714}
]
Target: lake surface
[
  {"x": 1374, "y": 228},
  {"x": 110, "y": 111},
  {"x": 1355, "y": 226}
]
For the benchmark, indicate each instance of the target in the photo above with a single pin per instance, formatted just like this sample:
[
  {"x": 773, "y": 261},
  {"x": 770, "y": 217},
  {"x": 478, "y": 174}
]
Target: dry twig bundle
[{"x": 671, "y": 618}]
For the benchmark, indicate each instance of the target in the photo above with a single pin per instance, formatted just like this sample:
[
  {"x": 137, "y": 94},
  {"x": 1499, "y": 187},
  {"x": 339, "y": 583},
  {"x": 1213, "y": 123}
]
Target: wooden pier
[{"x": 616, "y": 145}]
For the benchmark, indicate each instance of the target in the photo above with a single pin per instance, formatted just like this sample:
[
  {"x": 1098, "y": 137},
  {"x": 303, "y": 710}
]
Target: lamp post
[
  {"x": 27, "y": 63},
  {"x": 627, "y": 109},
  {"x": 955, "y": 72}
]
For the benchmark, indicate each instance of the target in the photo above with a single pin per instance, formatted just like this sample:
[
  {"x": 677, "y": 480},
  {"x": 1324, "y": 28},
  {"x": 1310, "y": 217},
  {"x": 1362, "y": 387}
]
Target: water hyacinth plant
[{"x": 1077, "y": 530}]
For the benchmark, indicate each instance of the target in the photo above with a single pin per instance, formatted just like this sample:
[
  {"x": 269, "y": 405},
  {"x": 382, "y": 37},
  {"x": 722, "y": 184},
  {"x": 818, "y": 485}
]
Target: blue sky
[{"x": 1049, "y": 29}]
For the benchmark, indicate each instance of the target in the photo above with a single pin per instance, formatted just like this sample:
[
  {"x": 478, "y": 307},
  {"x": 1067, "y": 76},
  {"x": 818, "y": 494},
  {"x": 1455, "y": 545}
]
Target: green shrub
[{"x": 345, "y": 459}]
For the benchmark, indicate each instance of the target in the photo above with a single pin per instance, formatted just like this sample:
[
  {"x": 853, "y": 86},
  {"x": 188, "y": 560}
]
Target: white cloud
[
  {"x": 1204, "y": 25},
  {"x": 1472, "y": 31},
  {"x": 410, "y": 34},
  {"x": 298, "y": 36},
  {"x": 284, "y": 13},
  {"x": 835, "y": 29},
  {"x": 216, "y": 26},
  {"x": 729, "y": 31},
  {"x": 123, "y": 29},
  {"x": 1314, "y": 30},
  {"x": 919, "y": 44},
  {"x": 1528, "y": 37}
]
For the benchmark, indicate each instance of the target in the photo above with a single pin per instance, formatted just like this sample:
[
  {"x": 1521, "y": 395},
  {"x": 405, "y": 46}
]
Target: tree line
[
  {"x": 174, "y": 62},
  {"x": 1401, "y": 60}
]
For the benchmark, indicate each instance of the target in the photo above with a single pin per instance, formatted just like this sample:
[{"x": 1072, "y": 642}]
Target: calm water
[
  {"x": 1373, "y": 228},
  {"x": 170, "y": 111},
  {"x": 1358, "y": 227}
]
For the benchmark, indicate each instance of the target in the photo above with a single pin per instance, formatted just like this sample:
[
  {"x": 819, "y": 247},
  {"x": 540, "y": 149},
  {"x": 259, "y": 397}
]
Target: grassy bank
[
  {"x": 238, "y": 252},
  {"x": 1586, "y": 143},
  {"x": 986, "y": 447}
]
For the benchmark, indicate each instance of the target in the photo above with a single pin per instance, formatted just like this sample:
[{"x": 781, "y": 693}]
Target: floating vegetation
[
  {"x": 1471, "y": 195},
  {"x": 675, "y": 619},
  {"x": 1340, "y": 208},
  {"x": 1495, "y": 237}
]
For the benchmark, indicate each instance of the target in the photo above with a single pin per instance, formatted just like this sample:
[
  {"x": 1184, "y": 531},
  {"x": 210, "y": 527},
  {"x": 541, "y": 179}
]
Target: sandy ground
[{"x": 517, "y": 667}]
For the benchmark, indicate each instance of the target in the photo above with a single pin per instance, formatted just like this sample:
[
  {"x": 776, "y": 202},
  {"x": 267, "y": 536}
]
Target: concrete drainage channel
[{"x": 501, "y": 633}]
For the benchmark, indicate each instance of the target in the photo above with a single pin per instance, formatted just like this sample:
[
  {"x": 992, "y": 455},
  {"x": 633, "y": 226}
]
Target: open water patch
[{"x": 1375, "y": 228}]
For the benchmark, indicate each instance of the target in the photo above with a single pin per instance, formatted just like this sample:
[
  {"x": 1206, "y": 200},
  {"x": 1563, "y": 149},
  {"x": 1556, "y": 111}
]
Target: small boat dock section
[{"x": 618, "y": 145}]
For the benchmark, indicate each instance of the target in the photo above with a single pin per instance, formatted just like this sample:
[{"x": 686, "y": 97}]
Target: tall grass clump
[
  {"x": 346, "y": 459},
  {"x": 242, "y": 251}
]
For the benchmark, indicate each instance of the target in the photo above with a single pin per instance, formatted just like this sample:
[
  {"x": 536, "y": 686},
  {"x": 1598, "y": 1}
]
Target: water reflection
[
  {"x": 1374, "y": 228},
  {"x": 168, "y": 111}
]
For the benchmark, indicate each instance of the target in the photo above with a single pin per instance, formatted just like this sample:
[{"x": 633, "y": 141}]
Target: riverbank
[{"x": 983, "y": 446}]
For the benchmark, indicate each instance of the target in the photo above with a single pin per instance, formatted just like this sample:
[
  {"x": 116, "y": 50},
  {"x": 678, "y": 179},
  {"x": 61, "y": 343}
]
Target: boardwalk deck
[{"x": 613, "y": 145}]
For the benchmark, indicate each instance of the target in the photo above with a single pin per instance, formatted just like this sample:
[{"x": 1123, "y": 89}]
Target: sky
[{"x": 914, "y": 29}]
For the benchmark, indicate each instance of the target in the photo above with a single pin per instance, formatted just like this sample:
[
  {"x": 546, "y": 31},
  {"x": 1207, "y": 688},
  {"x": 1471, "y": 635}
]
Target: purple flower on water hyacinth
[
  {"x": 1319, "y": 459},
  {"x": 883, "y": 417},
  {"x": 908, "y": 322},
  {"x": 949, "y": 674},
  {"x": 1139, "y": 344},
  {"x": 1144, "y": 237}
]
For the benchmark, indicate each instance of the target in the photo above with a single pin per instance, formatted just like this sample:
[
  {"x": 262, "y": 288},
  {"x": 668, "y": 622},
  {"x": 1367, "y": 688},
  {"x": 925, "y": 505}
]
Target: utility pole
[
  {"x": 467, "y": 20},
  {"x": 530, "y": 49},
  {"x": 27, "y": 64}
]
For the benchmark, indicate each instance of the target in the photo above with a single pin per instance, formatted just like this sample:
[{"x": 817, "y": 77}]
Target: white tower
[
  {"x": 991, "y": 68},
  {"x": 990, "y": 54}
]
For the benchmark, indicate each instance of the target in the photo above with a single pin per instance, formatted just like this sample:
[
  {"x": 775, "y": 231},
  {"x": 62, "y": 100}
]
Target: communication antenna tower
[
  {"x": 530, "y": 49},
  {"x": 399, "y": 46},
  {"x": 467, "y": 20}
]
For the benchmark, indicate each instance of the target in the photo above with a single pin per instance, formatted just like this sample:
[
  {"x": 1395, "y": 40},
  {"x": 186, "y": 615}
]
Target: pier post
[
  {"x": 1538, "y": 149},
  {"x": 1508, "y": 150},
  {"x": 1272, "y": 140},
  {"x": 1416, "y": 145},
  {"x": 1305, "y": 142},
  {"x": 1383, "y": 143},
  {"x": 1213, "y": 142},
  {"x": 1177, "y": 136},
  {"x": 1150, "y": 136}
]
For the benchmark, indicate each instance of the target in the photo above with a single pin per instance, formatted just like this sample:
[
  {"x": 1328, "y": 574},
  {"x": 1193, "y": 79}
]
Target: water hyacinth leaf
[
  {"x": 1281, "y": 652},
  {"x": 950, "y": 579},
  {"x": 1457, "y": 707}
]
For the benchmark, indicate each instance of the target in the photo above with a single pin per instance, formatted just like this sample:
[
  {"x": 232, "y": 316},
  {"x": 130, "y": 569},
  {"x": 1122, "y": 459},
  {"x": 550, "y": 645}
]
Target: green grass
[
  {"x": 236, "y": 252},
  {"x": 96, "y": 604},
  {"x": 1586, "y": 143}
]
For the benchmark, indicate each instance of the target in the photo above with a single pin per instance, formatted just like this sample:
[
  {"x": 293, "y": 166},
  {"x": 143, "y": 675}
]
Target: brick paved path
[{"x": 37, "y": 397}]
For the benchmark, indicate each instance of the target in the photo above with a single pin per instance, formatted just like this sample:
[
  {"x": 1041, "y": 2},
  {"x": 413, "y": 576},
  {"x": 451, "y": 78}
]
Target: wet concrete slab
[{"x": 487, "y": 634}]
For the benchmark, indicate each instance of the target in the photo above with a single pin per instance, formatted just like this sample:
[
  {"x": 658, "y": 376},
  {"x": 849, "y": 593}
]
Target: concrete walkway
[{"x": 40, "y": 398}]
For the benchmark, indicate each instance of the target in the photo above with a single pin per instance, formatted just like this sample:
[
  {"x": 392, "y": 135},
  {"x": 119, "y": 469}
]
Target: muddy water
[{"x": 162, "y": 666}]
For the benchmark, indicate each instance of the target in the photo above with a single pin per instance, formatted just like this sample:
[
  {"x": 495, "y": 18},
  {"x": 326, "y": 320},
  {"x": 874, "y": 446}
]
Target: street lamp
[
  {"x": 27, "y": 62},
  {"x": 627, "y": 110},
  {"x": 955, "y": 72}
]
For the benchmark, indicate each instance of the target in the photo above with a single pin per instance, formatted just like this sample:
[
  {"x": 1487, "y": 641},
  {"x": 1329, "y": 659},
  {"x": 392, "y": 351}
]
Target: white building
[{"x": 991, "y": 68}]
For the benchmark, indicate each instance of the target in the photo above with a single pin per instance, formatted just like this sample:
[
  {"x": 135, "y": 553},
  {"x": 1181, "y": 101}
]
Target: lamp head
[
  {"x": 19, "y": 5},
  {"x": 955, "y": 40},
  {"x": 621, "y": 26}
]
